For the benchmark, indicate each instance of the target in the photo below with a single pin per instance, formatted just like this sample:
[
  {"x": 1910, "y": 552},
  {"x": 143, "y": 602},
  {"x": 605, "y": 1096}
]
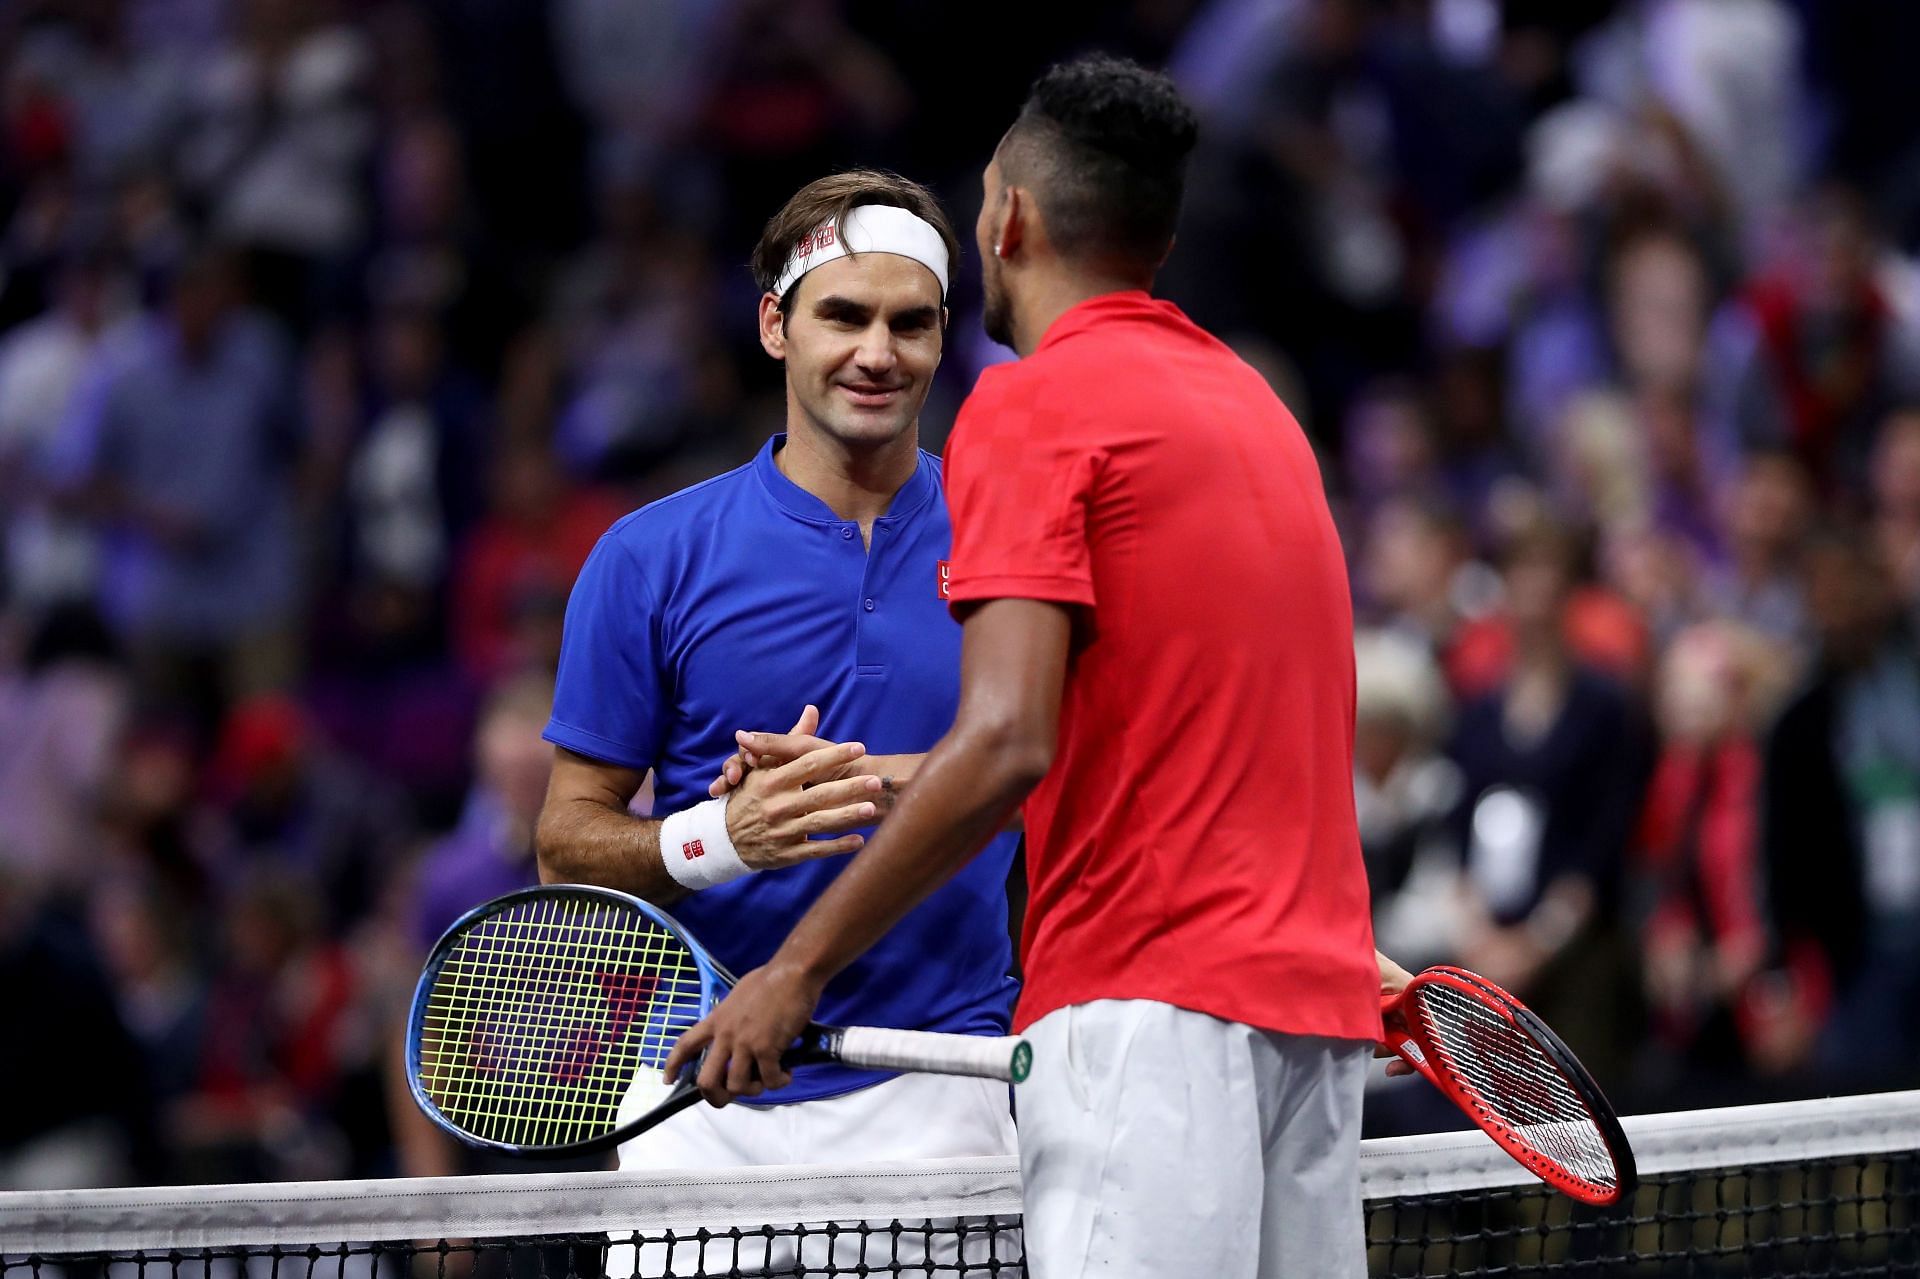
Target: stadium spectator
[
  {"x": 91, "y": 1119},
  {"x": 51, "y": 557},
  {"x": 1896, "y": 506},
  {"x": 1698, "y": 885},
  {"x": 510, "y": 589},
  {"x": 283, "y": 796},
  {"x": 1759, "y": 581},
  {"x": 1829, "y": 338},
  {"x": 145, "y": 935},
  {"x": 1390, "y": 448},
  {"x": 278, "y": 128},
  {"x": 631, "y": 314},
  {"x": 277, "y": 1040},
  {"x": 1405, "y": 794},
  {"x": 1604, "y": 631},
  {"x": 187, "y": 447},
  {"x": 1405, "y": 790},
  {"x": 152, "y": 825},
  {"x": 1841, "y": 832},
  {"x": 413, "y": 479},
  {"x": 1416, "y": 574},
  {"x": 432, "y": 251},
  {"x": 1552, "y": 766},
  {"x": 62, "y": 709},
  {"x": 491, "y": 851}
]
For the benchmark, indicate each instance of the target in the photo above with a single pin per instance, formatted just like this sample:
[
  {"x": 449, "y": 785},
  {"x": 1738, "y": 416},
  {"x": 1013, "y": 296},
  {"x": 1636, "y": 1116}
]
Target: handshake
[{"x": 784, "y": 789}]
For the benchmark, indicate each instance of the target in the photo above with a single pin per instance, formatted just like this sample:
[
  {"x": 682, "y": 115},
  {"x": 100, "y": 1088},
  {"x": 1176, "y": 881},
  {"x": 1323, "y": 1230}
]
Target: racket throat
[{"x": 817, "y": 1044}]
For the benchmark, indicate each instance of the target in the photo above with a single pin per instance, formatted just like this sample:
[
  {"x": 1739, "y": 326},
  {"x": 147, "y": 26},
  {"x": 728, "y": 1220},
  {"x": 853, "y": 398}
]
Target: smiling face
[{"x": 861, "y": 344}]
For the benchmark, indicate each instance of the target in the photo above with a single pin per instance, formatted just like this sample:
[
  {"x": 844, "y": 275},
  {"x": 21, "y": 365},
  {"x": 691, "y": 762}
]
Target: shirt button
[
  {"x": 869, "y": 606},
  {"x": 847, "y": 532}
]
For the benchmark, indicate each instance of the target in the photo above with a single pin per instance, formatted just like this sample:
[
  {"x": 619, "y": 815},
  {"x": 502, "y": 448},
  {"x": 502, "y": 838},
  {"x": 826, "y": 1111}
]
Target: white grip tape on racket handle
[{"x": 1003, "y": 1057}]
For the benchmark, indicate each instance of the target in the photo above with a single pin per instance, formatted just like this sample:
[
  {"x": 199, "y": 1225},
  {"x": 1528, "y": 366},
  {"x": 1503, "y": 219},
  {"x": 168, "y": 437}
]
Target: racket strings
[
  {"x": 536, "y": 1034},
  {"x": 541, "y": 1015},
  {"x": 1503, "y": 1068}
]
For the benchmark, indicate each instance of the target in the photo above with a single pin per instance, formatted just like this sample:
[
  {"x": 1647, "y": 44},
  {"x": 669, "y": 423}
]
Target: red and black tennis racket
[{"x": 1513, "y": 1077}]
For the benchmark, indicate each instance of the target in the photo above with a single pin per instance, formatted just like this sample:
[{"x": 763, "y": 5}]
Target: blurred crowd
[{"x": 333, "y": 333}]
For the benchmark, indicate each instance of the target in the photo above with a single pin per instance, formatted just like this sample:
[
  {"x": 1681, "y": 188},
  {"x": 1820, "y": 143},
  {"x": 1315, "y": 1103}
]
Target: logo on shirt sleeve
[
  {"x": 946, "y": 579},
  {"x": 693, "y": 848}
]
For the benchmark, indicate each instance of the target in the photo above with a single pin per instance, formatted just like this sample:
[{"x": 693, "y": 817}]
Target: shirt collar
[
  {"x": 800, "y": 504},
  {"x": 1102, "y": 307}
]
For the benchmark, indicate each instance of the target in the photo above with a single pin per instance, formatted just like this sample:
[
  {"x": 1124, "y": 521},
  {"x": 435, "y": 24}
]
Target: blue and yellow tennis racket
[{"x": 544, "y": 1018}]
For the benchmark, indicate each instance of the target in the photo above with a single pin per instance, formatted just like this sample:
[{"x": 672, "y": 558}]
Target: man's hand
[
  {"x": 774, "y": 810},
  {"x": 1393, "y": 980},
  {"x": 772, "y": 750},
  {"x": 746, "y": 1033}
]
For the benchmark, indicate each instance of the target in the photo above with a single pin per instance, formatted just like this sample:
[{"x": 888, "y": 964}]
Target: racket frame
[
  {"x": 715, "y": 981},
  {"x": 818, "y": 1044},
  {"x": 1412, "y": 1045}
]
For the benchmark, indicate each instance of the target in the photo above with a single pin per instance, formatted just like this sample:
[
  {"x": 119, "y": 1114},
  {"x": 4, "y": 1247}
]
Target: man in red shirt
[{"x": 1158, "y": 660}]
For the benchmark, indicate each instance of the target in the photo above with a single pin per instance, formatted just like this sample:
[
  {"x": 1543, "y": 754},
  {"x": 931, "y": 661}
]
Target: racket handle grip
[{"x": 1004, "y": 1057}]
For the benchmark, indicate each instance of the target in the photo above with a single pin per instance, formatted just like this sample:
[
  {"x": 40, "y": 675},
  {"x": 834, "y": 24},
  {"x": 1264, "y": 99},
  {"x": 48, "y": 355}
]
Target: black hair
[{"x": 1103, "y": 142}]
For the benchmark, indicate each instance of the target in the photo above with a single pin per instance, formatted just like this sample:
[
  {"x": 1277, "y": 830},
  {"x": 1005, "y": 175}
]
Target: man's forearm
[
  {"x": 586, "y": 842},
  {"x": 897, "y": 771},
  {"x": 900, "y": 770},
  {"x": 961, "y": 798}
]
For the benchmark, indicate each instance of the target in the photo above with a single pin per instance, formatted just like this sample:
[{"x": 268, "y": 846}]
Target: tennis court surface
[{"x": 1820, "y": 1188}]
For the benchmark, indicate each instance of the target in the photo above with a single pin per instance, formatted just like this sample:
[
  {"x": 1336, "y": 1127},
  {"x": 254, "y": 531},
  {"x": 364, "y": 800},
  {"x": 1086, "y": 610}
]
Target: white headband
[{"x": 870, "y": 228}]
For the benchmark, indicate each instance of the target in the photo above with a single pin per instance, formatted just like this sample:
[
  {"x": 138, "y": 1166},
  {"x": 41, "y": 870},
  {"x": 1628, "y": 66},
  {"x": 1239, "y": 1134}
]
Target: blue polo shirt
[{"x": 732, "y": 605}]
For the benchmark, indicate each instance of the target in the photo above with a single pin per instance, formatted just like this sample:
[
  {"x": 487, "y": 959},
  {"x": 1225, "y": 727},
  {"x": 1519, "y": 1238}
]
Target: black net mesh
[
  {"x": 958, "y": 1248},
  {"x": 1822, "y": 1217}
]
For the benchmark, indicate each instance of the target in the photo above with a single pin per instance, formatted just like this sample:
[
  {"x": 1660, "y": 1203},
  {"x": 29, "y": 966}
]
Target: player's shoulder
[
  {"x": 1046, "y": 394},
  {"x": 1007, "y": 377},
  {"x": 1000, "y": 388},
  {"x": 670, "y": 536},
  {"x": 690, "y": 510}
]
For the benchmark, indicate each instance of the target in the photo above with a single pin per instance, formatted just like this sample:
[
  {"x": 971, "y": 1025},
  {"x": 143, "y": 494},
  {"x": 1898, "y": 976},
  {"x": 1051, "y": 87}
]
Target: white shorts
[
  {"x": 1157, "y": 1142},
  {"x": 910, "y": 1116}
]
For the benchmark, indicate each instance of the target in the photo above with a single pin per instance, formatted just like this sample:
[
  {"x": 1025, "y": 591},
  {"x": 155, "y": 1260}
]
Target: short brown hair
[{"x": 830, "y": 199}]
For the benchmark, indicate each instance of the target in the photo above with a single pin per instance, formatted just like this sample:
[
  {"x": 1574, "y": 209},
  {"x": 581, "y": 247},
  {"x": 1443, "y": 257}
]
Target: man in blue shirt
[
  {"x": 185, "y": 440},
  {"x": 815, "y": 573}
]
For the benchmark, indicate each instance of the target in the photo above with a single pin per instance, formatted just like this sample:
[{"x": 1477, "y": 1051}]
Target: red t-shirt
[{"x": 1194, "y": 842}]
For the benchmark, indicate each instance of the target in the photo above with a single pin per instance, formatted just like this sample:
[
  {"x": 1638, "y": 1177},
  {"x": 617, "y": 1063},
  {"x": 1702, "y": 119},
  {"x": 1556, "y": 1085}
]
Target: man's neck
[
  {"x": 856, "y": 484},
  {"x": 1053, "y": 296}
]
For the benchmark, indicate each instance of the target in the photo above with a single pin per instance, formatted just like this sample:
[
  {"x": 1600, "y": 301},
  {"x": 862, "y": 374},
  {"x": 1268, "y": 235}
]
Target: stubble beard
[{"x": 996, "y": 314}]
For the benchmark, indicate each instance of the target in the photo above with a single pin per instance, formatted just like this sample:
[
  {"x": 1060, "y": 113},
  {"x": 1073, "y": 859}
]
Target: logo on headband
[
  {"x": 821, "y": 237},
  {"x": 868, "y": 228}
]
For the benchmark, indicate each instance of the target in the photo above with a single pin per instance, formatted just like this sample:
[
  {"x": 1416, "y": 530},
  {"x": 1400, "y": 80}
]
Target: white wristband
[{"x": 695, "y": 847}]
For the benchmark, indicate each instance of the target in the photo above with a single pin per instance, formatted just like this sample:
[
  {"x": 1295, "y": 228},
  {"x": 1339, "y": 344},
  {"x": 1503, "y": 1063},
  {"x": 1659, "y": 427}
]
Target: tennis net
[{"x": 1823, "y": 1188}]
